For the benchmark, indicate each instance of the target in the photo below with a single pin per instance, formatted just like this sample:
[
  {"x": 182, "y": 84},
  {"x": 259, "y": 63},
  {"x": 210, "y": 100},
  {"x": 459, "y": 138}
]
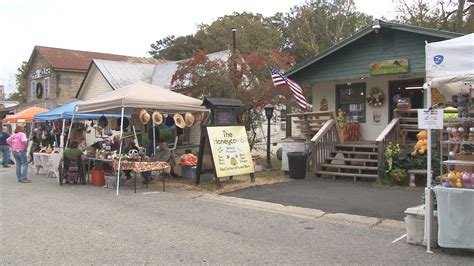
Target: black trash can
[{"x": 297, "y": 164}]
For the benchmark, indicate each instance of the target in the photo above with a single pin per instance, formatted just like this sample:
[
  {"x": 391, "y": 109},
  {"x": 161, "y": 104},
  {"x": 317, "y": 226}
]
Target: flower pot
[{"x": 97, "y": 178}]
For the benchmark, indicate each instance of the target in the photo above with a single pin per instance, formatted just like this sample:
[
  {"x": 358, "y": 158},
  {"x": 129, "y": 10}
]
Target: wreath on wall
[
  {"x": 376, "y": 97},
  {"x": 39, "y": 90}
]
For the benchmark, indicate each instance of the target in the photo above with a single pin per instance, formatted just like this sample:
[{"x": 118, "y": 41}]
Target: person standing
[
  {"x": 4, "y": 147},
  {"x": 19, "y": 144}
]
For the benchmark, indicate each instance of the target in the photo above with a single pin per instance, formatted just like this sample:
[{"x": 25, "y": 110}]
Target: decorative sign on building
[
  {"x": 430, "y": 118},
  {"x": 387, "y": 67},
  {"x": 40, "y": 73},
  {"x": 230, "y": 150}
]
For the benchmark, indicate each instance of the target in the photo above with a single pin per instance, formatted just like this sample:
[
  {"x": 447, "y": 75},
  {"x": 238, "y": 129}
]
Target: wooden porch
[{"x": 331, "y": 156}]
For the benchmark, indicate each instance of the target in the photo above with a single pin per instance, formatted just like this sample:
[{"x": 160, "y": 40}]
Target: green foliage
[
  {"x": 398, "y": 162},
  {"x": 454, "y": 16},
  {"x": 254, "y": 33},
  {"x": 21, "y": 77},
  {"x": 317, "y": 25},
  {"x": 242, "y": 76}
]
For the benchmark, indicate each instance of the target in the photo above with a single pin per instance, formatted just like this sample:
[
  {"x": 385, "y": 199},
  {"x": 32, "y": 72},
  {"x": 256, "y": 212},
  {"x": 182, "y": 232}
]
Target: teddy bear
[
  {"x": 462, "y": 101},
  {"x": 421, "y": 144}
]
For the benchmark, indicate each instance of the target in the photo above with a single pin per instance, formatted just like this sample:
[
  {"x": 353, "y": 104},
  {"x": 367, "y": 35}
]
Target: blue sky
[{"x": 120, "y": 27}]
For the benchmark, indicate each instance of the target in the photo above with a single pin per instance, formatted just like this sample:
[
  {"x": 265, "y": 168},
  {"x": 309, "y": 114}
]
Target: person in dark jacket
[{"x": 4, "y": 147}]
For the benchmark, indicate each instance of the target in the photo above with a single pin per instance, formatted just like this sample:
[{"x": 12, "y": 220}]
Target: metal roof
[
  {"x": 163, "y": 73},
  {"x": 369, "y": 29},
  {"x": 120, "y": 74}
]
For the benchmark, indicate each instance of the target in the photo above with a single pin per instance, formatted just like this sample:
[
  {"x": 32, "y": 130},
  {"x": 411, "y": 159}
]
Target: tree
[
  {"x": 244, "y": 76},
  {"x": 318, "y": 25},
  {"x": 449, "y": 15},
  {"x": 21, "y": 78},
  {"x": 254, "y": 33}
]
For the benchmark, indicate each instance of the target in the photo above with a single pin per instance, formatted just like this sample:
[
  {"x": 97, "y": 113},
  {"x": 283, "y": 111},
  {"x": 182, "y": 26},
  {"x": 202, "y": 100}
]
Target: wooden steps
[
  {"x": 362, "y": 160},
  {"x": 356, "y": 159}
]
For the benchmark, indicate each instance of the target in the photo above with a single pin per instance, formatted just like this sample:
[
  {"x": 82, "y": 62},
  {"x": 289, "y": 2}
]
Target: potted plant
[{"x": 399, "y": 175}]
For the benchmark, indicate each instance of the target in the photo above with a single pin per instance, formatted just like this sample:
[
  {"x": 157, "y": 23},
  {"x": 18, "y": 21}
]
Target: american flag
[{"x": 279, "y": 80}]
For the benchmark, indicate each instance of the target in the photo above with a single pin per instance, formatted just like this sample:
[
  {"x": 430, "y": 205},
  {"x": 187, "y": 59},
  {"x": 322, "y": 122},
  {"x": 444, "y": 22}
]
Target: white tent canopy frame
[
  {"x": 450, "y": 69},
  {"x": 141, "y": 95}
]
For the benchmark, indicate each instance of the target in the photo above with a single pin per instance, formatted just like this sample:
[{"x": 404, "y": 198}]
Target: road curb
[{"x": 372, "y": 222}]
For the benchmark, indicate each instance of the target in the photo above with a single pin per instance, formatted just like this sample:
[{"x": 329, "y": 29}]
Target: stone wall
[{"x": 63, "y": 85}]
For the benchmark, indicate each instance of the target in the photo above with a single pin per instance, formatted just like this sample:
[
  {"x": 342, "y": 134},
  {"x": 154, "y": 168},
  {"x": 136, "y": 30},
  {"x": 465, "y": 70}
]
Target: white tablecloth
[
  {"x": 455, "y": 217},
  {"x": 48, "y": 162}
]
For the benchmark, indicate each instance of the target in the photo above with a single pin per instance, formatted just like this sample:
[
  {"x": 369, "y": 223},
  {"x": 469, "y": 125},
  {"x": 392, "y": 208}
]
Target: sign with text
[
  {"x": 430, "y": 119},
  {"x": 40, "y": 73},
  {"x": 230, "y": 150},
  {"x": 392, "y": 66}
]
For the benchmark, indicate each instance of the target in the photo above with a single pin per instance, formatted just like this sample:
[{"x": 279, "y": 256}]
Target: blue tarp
[{"x": 66, "y": 111}]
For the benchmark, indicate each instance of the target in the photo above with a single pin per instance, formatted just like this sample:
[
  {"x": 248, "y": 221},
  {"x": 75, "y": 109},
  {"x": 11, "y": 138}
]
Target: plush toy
[
  {"x": 468, "y": 180},
  {"x": 422, "y": 144},
  {"x": 462, "y": 101},
  {"x": 455, "y": 179}
]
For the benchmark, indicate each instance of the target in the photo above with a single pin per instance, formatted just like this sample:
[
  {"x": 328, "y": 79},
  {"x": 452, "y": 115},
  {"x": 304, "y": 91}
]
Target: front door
[{"x": 397, "y": 89}]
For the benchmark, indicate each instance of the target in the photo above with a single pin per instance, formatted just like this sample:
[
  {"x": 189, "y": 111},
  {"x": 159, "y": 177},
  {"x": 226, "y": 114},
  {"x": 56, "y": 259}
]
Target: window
[
  {"x": 33, "y": 90},
  {"x": 46, "y": 88},
  {"x": 351, "y": 100}
]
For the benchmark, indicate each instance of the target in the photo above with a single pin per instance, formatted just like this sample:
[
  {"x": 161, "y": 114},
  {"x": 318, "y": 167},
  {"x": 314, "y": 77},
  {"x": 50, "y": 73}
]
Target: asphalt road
[
  {"x": 358, "y": 198},
  {"x": 43, "y": 223}
]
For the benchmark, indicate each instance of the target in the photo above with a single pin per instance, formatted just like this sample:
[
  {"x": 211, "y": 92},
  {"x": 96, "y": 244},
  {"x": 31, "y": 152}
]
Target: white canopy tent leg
[
  {"x": 70, "y": 130},
  {"x": 61, "y": 139},
  {"x": 120, "y": 151},
  {"x": 154, "y": 142},
  {"x": 428, "y": 189}
]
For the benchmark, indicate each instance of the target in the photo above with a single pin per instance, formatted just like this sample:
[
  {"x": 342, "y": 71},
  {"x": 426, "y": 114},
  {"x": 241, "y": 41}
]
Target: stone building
[{"x": 55, "y": 74}]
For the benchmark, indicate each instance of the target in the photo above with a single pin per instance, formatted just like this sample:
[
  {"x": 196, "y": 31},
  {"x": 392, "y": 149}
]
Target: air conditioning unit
[{"x": 283, "y": 125}]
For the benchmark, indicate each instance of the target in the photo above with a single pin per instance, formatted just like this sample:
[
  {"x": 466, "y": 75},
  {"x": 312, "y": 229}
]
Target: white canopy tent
[
  {"x": 450, "y": 69},
  {"x": 450, "y": 64},
  {"x": 140, "y": 95}
]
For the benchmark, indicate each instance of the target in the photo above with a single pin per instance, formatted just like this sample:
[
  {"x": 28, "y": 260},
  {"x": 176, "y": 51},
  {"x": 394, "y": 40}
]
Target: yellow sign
[{"x": 230, "y": 150}]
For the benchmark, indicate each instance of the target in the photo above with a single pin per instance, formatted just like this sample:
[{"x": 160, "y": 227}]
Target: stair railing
[
  {"x": 323, "y": 144},
  {"x": 392, "y": 134}
]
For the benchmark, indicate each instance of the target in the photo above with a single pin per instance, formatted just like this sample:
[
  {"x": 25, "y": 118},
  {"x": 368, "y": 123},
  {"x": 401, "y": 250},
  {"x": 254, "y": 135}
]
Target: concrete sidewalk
[{"x": 358, "y": 198}]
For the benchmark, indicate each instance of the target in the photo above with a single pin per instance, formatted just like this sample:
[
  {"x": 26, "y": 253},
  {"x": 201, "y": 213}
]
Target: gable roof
[
  {"x": 369, "y": 29},
  {"x": 120, "y": 74},
  {"x": 67, "y": 59},
  {"x": 163, "y": 73}
]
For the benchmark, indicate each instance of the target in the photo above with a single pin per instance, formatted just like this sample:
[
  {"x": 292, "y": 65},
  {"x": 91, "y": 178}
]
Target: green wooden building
[{"x": 382, "y": 59}]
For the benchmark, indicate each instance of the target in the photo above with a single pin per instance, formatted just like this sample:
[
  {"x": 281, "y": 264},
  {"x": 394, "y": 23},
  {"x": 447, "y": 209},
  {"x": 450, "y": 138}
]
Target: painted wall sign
[
  {"x": 40, "y": 73},
  {"x": 230, "y": 150},
  {"x": 392, "y": 66}
]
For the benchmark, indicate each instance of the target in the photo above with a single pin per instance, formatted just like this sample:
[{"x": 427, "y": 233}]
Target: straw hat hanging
[
  {"x": 157, "y": 118},
  {"x": 179, "y": 120},
  {"x": 144, "y": 117},
  {"x": 112, "y": 123},
  {"x": 189, "y": 119}
]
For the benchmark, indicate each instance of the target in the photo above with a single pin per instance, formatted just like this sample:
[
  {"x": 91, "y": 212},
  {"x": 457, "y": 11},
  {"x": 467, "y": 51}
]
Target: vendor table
[
  {"x": 455, "y": 217},
  {"x": 87, "y": 163},
  {"x": 138, "y": 167},
  {"x": 48, "y": 161}
]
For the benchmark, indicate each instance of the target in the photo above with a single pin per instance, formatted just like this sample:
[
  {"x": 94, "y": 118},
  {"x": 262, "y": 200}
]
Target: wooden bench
[{"x": 412, "y": 174}]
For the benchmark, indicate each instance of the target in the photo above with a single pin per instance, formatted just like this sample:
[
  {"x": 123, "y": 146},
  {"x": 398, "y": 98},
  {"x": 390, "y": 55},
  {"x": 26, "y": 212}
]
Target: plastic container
[
  {"x": 297, "y": 164},
  {"x": 97, "y": 178},
  {"x": 188, "y": 172}
]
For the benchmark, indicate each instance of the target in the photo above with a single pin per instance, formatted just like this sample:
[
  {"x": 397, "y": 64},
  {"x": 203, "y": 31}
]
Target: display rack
[{"x": 466, "y": 123}]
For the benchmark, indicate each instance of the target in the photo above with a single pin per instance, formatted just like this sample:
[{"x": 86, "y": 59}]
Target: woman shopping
[{"x": 19, "y": 144}]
